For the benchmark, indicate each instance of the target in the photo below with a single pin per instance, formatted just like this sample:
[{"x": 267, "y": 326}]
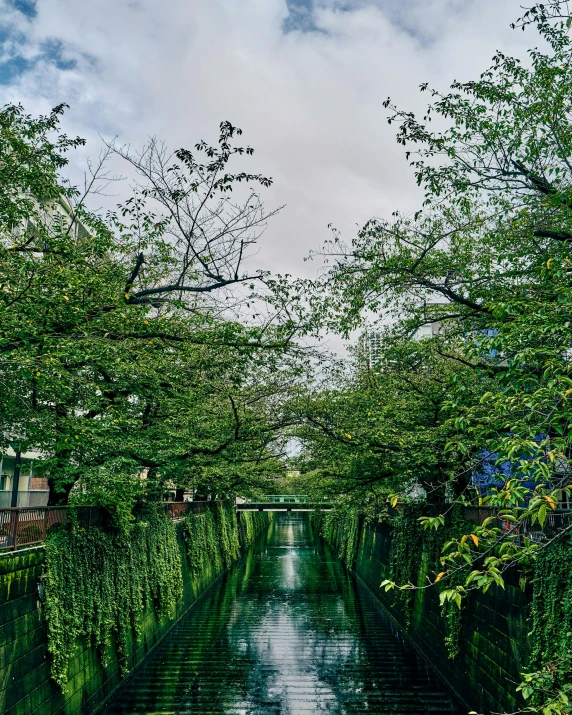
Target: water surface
[{"x": 286, "y": 632}]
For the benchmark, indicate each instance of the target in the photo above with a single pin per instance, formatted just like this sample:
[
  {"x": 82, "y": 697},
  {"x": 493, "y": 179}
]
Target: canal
[{"x": 287, "y": 631}]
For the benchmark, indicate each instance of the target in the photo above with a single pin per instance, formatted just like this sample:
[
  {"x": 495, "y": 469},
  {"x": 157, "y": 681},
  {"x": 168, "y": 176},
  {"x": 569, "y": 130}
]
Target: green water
[{"x": 288, "y": 631}]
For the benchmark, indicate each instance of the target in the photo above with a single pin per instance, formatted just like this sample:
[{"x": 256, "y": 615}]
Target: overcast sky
[{"x": 305, "y": 79}]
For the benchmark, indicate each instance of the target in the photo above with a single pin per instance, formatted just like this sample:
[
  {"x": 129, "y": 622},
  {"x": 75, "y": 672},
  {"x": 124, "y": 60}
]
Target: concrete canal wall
[
  {"x": 26, "y": 686},
  {"x": 493, "y": 639}
]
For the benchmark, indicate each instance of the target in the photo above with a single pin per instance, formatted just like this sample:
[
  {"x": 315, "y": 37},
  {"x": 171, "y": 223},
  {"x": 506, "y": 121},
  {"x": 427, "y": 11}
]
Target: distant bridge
[{"x": 283, "y": 502}]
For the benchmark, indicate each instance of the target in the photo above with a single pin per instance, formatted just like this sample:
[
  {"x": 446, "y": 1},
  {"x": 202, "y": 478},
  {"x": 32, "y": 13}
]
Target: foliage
[
  {"x": 227, "y": 530},
  {"x": 121, "y": 346},
  {"x": 383, "y": 428},
  {"x": 486, "y": 262},
  {"x": 253, "y": 524},
  {"x": 413, "y": 542},
  {"x": 547, "y": 686},
  {"x": 99, "y": 583},
  {"x": 201, "y": 538},
  {"x": 340, "y": 527},
  {"x": 212, "y": 538},
  {"x": 406, "y": 553},
  {"x": 348, "y": 534}
]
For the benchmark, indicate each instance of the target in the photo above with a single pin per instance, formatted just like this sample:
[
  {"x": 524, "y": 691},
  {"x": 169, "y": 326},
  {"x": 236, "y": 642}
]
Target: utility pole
[{"x": 16, "y": 478}]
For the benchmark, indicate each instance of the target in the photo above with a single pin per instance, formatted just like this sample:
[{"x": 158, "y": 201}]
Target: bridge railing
[{"x": 284, "y": 499}]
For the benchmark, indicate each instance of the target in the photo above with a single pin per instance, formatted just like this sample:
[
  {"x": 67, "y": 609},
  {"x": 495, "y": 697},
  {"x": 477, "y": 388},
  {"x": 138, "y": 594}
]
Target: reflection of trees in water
[
  {"x": 286, "y": 631},
  {"x": 299, "y": 601},
  {"x": 217, "y": 687}
]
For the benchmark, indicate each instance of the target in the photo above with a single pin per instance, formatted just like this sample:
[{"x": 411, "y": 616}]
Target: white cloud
[{"x": 309, "y": 102}]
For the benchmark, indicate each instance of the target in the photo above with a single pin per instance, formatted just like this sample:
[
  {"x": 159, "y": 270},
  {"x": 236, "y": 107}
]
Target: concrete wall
[
  {"x": 26, "y": 687},
  {"x": 493, "y": 641}
]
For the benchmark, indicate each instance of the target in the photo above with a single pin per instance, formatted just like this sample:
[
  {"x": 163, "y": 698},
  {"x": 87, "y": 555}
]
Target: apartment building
[{"x": 22, "y": 482}]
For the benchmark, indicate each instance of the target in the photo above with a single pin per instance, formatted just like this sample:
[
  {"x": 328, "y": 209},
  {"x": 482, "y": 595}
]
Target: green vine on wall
[
  {"x": 227, "y": 527},
  {"x": 202, "y": 542},
  {"x": 212, "y": 539},
  {"x": 549, "y": 687},
  {"x": 340, "y": 527},
  {"x": 98, "y": 584},
  {"x": 410, "y": 546},
  {"x": 406, "y": 553},
  {"x": 253, "y": 524},
  {"x": 455, "y": 527}
]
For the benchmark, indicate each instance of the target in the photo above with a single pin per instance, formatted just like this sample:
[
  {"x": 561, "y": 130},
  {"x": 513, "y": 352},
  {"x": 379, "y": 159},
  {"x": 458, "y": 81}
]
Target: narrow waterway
[{"x": 287, "y": 631}]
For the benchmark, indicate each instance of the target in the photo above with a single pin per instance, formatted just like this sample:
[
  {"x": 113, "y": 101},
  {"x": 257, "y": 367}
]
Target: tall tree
[{"x": 120, "y": 346}]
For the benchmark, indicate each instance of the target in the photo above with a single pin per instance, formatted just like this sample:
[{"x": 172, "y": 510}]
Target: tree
[
  {"x": 381, "y": 429},
  {"x": 117, "y": 350},
  {"x": 488, "y": 256},
  {"x": 492, "y": 242}
]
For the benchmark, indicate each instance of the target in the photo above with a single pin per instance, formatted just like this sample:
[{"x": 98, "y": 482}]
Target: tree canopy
[{"x": 124, "y": 346}]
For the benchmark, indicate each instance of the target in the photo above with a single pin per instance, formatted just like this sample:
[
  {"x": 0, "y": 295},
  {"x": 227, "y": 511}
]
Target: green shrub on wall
[{"x": 98, "y": 585}]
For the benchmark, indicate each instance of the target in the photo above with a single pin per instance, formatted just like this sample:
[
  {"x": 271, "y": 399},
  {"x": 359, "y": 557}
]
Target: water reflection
[{"x": 287, "y": 632}]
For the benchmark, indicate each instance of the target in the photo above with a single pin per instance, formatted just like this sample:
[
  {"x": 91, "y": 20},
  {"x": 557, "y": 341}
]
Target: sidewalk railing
[
  {"x": 22, "y": 527},
  {"x": 555, "y": 521}
]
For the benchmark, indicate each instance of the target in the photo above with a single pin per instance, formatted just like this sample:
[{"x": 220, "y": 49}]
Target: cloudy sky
[{"x": 305, "y": 79}]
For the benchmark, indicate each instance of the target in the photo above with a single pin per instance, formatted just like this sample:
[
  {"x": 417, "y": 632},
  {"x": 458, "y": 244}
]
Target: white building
[{"x": 32, "y": 484}]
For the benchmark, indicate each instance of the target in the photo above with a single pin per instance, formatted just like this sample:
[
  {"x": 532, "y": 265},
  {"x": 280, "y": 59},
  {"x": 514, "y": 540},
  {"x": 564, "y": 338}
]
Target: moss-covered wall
[
  {"x": 26, "y": 687},
  {"x": 493, "y": 644}
]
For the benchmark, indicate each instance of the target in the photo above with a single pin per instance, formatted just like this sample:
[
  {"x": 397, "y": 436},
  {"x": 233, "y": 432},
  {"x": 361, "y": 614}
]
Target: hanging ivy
[
  {"x": 406, "y": 553},
  {"x": 410, "y": 545},
  {"x": 227, "y": 528},
  {"x": 99, "y": 583},
  {"x": 207, "y": 533},
  {"x": 551, "y": 630},
  {"x": 212, "y": 538},
  {"x": 202, "y": 542},
  {"x": 455, "y": 527},
  {"x": 453, "y": 615},
  {"x": 340, "y": 528},
  {"x": 348, "y": 532},
  {"x": 253, "y": 524}
]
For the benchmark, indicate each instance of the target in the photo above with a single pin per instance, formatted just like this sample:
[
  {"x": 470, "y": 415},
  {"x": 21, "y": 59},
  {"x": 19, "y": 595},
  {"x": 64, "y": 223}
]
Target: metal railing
[
  {"x": 22, "y": 527},
  {"x": 26, "y": 526},
  {"x": 285, "y": 499},
  {"x": 178, "y": 509},
  {"x": 555, "y": 521}
]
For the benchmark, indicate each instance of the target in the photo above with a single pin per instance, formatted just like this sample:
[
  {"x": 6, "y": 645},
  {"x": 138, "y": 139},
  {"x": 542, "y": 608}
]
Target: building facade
[{"x": 32, "y": 488}]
